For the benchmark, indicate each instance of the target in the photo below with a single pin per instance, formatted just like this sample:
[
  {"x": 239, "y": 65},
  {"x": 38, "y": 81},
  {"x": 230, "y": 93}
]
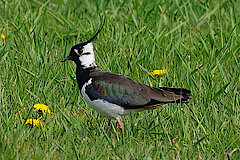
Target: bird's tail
[{"x": 185, "y": 94}]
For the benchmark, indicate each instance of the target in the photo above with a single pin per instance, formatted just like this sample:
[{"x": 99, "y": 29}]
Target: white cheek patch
[
  {"x": 86, "y": 55},
  {"x": 88, "y": 48},
  {"x": 87, "y": 60}
]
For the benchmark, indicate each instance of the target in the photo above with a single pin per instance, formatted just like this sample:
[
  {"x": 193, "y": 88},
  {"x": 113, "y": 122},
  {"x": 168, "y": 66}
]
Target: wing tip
[{"x": 185, "y": 93}]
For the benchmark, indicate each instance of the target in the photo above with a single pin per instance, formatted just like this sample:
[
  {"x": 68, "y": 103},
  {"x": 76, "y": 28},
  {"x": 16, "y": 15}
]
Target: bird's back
[{"x": 129, "y": 93}]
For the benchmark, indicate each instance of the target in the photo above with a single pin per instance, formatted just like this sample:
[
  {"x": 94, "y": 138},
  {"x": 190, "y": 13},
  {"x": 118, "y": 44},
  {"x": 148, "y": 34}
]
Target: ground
[{"x": 196, "y": 42}]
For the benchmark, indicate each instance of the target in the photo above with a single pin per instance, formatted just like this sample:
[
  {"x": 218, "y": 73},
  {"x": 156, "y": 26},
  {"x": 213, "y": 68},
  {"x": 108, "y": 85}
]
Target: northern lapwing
[{"x": 115, "y": 95}]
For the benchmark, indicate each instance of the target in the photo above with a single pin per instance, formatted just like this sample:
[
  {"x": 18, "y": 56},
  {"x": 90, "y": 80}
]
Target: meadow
[{"x": 197, "y": 43}]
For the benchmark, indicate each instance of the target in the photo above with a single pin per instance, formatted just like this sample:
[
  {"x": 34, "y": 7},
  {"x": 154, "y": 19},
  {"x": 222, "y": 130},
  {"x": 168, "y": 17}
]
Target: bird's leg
[
  {"x": 120, "y": 124},
  {"x": 109, "y": 125}
]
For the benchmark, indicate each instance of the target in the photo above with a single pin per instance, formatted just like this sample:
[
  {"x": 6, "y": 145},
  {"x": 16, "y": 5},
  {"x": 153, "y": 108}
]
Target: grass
[{"x": 196, "y": 42}]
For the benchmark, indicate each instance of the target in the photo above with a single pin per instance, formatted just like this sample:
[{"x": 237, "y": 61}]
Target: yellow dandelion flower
[
  {"x": 159, "y": 72},
  {"x": 3, "y": 36},
  {"x": 41, "y": 108},
  {"x": 33, "y": 122}
]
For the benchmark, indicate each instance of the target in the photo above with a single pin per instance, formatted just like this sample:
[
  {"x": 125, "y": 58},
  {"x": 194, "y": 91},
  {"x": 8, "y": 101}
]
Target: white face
[{"x": 87, "y": 58}]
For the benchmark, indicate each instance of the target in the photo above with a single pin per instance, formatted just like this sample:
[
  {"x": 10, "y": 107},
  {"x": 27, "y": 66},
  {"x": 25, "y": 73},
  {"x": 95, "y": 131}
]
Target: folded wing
[{"x": 130, "y": 94}]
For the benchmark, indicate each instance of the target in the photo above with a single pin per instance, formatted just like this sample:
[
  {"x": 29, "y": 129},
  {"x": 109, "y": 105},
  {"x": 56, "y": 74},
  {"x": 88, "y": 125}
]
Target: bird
[{"x": 115, "y": 95}]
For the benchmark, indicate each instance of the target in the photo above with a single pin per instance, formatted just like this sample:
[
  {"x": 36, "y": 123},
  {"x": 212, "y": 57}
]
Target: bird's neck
[{"x": 83, "y": 75}]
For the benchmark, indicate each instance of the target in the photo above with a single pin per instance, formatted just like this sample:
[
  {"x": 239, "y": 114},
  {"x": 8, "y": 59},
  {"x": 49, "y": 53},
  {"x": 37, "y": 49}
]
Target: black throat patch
[{"x": 83, "y": 75}]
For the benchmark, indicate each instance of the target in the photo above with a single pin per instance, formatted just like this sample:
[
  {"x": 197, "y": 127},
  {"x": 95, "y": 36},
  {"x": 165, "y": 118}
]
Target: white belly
[{"x": 105, "y": 108}]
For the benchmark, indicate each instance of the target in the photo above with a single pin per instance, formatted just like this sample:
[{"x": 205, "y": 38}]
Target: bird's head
[{"x": 82, "y": 54}]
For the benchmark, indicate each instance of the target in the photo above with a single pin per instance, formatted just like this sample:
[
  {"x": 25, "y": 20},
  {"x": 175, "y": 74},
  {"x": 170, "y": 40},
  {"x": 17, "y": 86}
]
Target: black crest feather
[{"x": 95, "y": 35}]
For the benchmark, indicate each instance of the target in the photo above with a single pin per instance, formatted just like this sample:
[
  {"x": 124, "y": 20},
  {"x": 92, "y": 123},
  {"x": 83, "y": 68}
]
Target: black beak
[{"x": 66, "y": 59}]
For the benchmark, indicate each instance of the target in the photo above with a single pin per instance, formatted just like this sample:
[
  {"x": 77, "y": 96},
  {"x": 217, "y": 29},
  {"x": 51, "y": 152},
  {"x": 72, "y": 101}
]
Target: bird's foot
[{"x": 120, "y": 124}]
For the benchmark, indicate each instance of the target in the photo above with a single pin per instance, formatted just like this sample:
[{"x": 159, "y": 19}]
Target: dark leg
[{"x": 109, "y": 125}]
